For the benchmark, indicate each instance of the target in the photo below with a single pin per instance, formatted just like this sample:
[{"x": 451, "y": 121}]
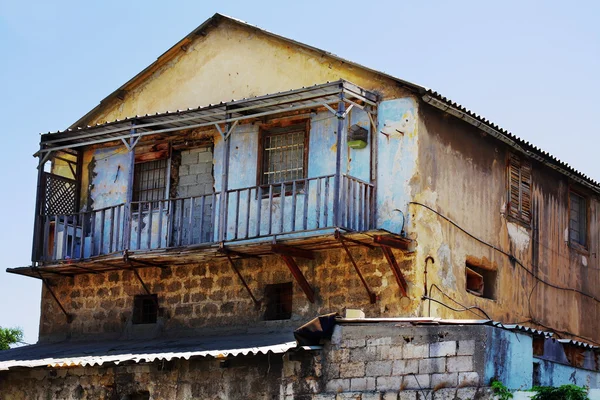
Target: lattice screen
[{"x": 60, "y": 195}]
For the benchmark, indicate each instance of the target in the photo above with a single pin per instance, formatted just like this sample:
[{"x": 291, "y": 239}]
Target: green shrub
[{"x": 564, "y": 392}]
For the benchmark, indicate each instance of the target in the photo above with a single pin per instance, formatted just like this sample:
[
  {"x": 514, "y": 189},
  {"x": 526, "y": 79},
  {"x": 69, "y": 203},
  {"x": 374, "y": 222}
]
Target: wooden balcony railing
[{"x": 296, "y": 207}]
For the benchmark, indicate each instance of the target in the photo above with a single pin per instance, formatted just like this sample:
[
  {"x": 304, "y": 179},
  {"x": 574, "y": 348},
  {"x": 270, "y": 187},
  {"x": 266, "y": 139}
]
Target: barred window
[
  {"x": 278, "y": 301},
  {"x": 145, "y": 309},
  {"x": 577, "y": 219},
  {"x": 519, "y": 187},
  {"x": 283, "y": 154},
  {"x": 150, "y": 181}
]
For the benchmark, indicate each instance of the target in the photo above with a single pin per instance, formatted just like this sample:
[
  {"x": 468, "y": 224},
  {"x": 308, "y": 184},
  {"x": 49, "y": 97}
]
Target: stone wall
[{"x": 210, "y": 296}]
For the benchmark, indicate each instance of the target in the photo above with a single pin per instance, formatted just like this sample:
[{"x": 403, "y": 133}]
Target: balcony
[{"x": 333, "y": 204}]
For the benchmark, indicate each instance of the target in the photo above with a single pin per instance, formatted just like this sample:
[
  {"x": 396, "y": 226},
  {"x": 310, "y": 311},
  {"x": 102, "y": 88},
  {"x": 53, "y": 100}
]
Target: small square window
[
  {"x": 278, "y": 298},
  {"x": 480, "y": 282},
  {"x": 145, "y": 309},
  {"x": 577, "y": 219}
]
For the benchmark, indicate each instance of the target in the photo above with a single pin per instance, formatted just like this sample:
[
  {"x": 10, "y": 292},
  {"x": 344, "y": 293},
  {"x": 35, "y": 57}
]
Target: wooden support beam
[
  {"x": 148, "y": 264},
  {"x": 372, "y": 296},
  {"x": 233, "y": 266},
  {"x": 394, "y": 242},
  {"x": 338, "y": 235},
  {"x": 225, "y": 250},
  {"x": 285, "y": 250},
  {"x": 291, "y": 263},
  {"x": 391, "y": 259}
]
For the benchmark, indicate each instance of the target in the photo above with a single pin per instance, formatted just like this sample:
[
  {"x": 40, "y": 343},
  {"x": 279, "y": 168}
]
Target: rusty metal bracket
[
  {"x": 391, "y": 259},
  {"x": 306, "y": 288},
  {"x": 372, "y": 296},
  {"x": 48, "y": 287},
  {"x": 232, "y": 263}
]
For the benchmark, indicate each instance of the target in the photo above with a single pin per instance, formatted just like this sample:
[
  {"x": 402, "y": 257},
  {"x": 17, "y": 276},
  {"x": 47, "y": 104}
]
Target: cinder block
[
  {"x": 395, "y": 353},
  {"x": 442, "y": 349},
  {"x": 205, "y": 157},
  {"x": 468, "y": 379},
  {"x": 363, "y": 354},
  {"x": 323, "y": 396},
  {"x": 338, "y": 385},
  {"x": 371, "y": 396},
  {"x": 352, "y": 370},
  {"x": 390, "y": 396},
  {"x": 379, "y": 368},
  {"x": 351, "y": 343},
  {"x": 379, "y": 341},
  {"x": 405, "y": 367},
  {"x": 385, "y": 383},
  {"x": 187, "y": 180},
  {"x": 362, "y": 384},
  {"x": 408, "y": 395},
  {"x": 446, "y": 380},
  {"x": 432, "y": 365},
  {"x": 460, "y": 364},
  {"x": 416, "y": 350},
  {"x": 348, "y": 396},
  {"x": 189, "y": 158},
  {"x": 465, "y": 348},
  {"x": 416, "y": 382},
  {"x": 338, "y": 355}
]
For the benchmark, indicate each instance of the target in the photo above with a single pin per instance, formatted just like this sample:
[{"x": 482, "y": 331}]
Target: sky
[{"x": 530, "y": 66}]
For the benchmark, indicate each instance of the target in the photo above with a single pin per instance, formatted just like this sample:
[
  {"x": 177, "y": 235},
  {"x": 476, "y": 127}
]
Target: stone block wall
[{"x": 210, "y": 296}]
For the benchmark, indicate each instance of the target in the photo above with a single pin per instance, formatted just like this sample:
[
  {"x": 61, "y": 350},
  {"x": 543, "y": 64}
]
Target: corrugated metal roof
[
  {"x": 75, "y": 353},
  {"x": 529, "y": 148}
]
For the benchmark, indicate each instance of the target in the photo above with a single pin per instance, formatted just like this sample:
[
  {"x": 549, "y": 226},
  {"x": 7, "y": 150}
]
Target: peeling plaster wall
[
  {"x": 462, "y": 175},
  {"x": 234, "y": 62}
]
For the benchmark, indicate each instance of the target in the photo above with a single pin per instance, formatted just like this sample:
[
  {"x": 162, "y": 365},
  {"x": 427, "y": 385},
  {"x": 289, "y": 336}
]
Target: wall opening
[
  {"x": 278, "y": 298},
  {"x": 145, "y": 309},
  {"x": 480, "y": 282}
]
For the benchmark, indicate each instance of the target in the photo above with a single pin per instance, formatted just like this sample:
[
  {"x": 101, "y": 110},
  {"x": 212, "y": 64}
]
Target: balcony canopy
[{"x": 213, "y": 115}]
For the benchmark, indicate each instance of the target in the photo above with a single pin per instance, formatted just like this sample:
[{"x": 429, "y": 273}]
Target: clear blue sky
[{"x": 530, "y": 66}]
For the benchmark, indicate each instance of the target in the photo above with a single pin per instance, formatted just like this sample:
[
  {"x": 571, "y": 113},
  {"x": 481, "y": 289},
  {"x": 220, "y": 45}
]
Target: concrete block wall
[
  {"x": 196, "y": 179},
  {"x": 387, "y": 361}
]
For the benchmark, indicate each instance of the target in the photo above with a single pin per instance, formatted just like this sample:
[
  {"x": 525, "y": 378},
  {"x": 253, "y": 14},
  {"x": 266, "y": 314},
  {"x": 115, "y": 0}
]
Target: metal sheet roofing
[
  {"x": 74, "y": 353},
  {"x": 444, "y": 103}
]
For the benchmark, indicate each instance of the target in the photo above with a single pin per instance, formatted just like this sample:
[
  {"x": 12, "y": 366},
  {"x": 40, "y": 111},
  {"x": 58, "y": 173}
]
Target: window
[
  {"x": 519, "y": 187},
  {"x": 480, "y": 282},
  {"x": 150, "y": 182},
  {"x": 279, "y": 301},
  {"x": 577, "y": 219},
  {"x": 283, "y": 154},
  {"x": 145, "y": 309}
]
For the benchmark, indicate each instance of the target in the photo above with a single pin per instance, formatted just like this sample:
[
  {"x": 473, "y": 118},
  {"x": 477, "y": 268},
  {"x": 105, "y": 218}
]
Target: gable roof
[{"x": 431, "y": 97}]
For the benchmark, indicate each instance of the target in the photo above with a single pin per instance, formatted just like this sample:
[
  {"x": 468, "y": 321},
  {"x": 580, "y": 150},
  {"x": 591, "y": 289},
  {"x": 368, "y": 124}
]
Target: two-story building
[{"x": 179, "y": 245}]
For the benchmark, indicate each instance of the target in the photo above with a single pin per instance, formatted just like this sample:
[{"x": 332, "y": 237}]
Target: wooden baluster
[
  {"x": 247, "y": 230},
  {"x": 149, "y": 225},
  {"x": 282, "y": 207},
  {"x": 318, "y": 204},
  {"x": 160, "y": 224},
  {"x": 140, "y": 217},
  {"x": 294, "y": 192},
  {"x": 259, "y": 196},
  {"x": 270, "y": 210},
  {"x": 305, "y": 210}
]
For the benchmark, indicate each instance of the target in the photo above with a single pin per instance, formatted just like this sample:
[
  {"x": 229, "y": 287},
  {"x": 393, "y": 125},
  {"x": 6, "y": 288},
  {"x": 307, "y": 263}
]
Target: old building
[{"x": 180, "y": 246}]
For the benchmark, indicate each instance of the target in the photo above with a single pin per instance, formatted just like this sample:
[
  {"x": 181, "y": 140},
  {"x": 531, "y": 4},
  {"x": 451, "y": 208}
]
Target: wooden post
[
  {"x": 224, "y": 183},
  {"x": 338, "y": 162},
  {"x": 37, "y": 222},
  {"x": 129, "y": 195}
]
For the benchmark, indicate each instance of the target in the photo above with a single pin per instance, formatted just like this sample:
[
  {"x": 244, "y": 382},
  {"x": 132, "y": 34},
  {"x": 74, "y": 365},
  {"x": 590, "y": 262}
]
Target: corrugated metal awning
[
  {"x": 80, "y": 353},
  {"x": 214, "y": 114}
]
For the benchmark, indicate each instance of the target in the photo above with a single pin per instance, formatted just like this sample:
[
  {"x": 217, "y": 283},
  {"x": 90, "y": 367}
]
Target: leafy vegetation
[
  {"x": 501, "y": 391},
  {"x": 10, "y": 336},
  {"x": 564, "y": 392}
]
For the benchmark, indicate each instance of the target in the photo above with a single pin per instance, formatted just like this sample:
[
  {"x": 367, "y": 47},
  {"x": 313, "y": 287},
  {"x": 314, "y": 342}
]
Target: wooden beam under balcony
[
  {"x": 291, "y": 251},
  {"x": 299, "y": 276},
  {"x": 395, "y": 242}
]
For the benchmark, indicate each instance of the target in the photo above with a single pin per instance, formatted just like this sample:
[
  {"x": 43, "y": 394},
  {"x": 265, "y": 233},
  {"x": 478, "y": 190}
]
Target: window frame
[
  {"x": 138, "y": 314},
  {"x": 519, "y": 214},
  {"x": 280, "y": 308},
  {"x": 289, "y": 126},
  {"x": 586, "y": 209},
  {"x": 165, "y": 189}
]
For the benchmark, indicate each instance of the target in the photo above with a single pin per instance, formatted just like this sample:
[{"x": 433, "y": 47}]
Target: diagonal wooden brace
[
  {"x": 291, "y": 263},
  {"x": 372, "y": 296},
  {"x": 256, "y": 302},
  {"x": 391, "y": 259}
]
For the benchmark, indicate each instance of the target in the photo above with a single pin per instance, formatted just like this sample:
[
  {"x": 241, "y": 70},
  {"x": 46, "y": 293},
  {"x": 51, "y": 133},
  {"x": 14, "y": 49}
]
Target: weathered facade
[{"x": 325, "y": 186}]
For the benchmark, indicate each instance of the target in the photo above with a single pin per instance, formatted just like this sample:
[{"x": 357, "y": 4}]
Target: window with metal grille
[
  {"x": 283, "y": 154},
  {"x": 150, "y": 182},
  {"x": 145, "y": 309},
  {"x": 519, "y": 187},
  {"x": 279, "y": 301},
  {"x": 577, "y": 219}
]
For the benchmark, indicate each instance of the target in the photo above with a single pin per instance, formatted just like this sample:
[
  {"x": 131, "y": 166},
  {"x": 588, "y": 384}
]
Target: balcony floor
[{"x": 323, "y": 240}]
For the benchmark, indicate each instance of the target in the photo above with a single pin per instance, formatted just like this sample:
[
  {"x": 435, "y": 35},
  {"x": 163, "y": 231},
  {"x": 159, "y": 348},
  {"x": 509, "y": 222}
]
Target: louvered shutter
[{"x": 519, "y": 176}]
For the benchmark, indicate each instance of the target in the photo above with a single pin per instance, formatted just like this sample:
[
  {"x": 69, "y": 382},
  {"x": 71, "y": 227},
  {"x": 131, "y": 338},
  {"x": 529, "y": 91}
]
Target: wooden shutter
[{"x": 519, "y": 187}]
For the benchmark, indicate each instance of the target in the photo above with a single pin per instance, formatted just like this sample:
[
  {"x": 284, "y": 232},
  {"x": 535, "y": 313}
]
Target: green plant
[
  {"x": 501, "y": 391},
  {"x": 564, "y": 392},
  {"x": 10, "y": 336}
]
